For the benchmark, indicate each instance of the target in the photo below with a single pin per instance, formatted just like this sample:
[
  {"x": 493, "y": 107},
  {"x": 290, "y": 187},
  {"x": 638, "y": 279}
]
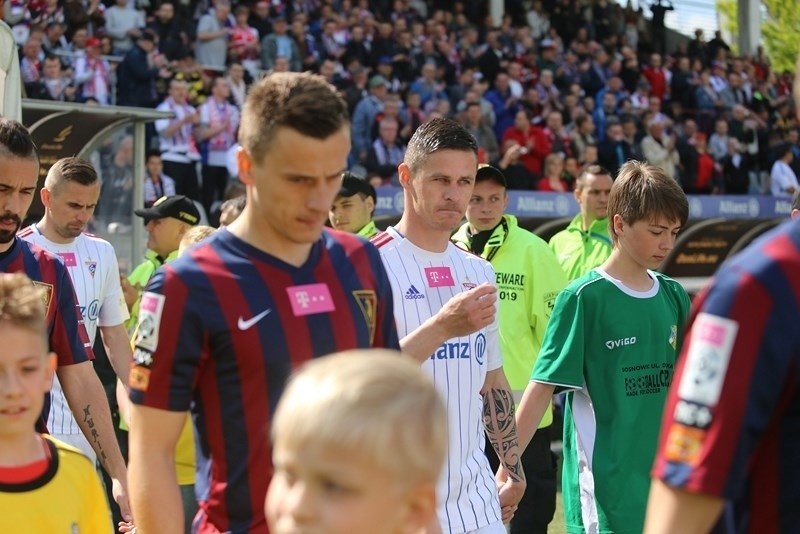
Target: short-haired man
[
  {"x": 165, "y": 221},
  {"x": 222, "y": 327},
  {"x": 445, "y": 311},
  {"x": 19, "y": 173},
  {"x": 70, "y": 194},
  {"x": 528, "y": 279},
  {"x": 354, "y": 206},
  {"x": 584, "y": 243}
]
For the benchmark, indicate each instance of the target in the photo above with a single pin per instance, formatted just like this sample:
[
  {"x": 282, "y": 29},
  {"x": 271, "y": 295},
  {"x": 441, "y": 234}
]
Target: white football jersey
[
  {"x": 93, "y": 269},
  {"x": 422, "y": 282}
]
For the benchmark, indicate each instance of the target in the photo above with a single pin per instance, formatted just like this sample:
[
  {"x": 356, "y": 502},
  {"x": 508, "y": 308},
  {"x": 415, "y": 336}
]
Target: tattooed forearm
[
  {"x": 93, "y": 436},
  {"x": 498, "y": 418}
]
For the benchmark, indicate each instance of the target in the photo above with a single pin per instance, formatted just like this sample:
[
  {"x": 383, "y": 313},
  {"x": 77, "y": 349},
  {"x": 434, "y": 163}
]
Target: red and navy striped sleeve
[
  {"x": 168, "y": 343},
  {"x": 727, "y": 425},
  {"x": 66, "y": 332}
]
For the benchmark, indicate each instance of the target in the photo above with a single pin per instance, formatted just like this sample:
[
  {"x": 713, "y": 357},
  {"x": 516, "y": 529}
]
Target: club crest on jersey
[
  {"x": 47, "y": 294},
  {"x": 367, "y": 301},
  {"x": 92, "y": 266}
]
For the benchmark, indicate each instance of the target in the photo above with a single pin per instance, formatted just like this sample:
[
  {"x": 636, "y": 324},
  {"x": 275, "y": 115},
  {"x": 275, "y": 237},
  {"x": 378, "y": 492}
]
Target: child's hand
[{"x": 126, "y": 527}]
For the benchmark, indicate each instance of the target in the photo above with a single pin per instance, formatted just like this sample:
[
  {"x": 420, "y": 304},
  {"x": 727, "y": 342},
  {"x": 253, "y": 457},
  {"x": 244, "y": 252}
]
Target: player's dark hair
[
  {"x": 645, "y": 192},
  {"x": 304, "y": 102},
  {"x": 70, "y": 170},
  {"x": 15, "y": 140},
  {"x": 595, "y": 170},
  {"x": 435, "y": 135}
]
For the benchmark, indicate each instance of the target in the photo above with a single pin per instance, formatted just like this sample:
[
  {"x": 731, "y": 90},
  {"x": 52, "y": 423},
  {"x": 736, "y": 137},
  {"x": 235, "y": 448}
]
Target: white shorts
[{"x": 494, "y": 528}]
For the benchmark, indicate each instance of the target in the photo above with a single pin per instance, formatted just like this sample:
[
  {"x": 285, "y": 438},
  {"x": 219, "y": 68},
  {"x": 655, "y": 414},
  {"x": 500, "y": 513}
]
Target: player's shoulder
[
  {"x": 89, "y": 237},
  {"x": 67, "y": 454},
  {"x": 347, "y": 241},
  {"x": 201, "y": 260},
  {"x": 668, "y": 284},
  {"x": 589, "y": 284},
  {"x": 384, "y": 241},
  {"x": 27, "y": 233},
  {"x": 42, "y": 255}
]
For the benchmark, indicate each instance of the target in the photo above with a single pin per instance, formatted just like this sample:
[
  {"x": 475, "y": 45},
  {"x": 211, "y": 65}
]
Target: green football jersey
[{"x": 613, "y": 349}]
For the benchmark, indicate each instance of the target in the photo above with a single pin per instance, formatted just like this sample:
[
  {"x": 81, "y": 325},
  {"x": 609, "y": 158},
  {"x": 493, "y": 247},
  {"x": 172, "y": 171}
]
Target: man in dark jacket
[{"x": 137, "y": 73}]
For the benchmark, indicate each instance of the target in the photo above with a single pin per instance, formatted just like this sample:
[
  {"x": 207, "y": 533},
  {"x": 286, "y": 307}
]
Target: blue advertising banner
[{"x": 556, "y": 205}]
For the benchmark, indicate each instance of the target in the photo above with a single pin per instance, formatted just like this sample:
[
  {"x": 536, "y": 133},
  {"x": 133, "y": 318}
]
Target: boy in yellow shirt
[{"x": 45, "y": 485}]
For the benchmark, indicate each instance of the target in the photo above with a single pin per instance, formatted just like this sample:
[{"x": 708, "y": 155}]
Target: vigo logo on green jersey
[{"x": 612, "y": 344}]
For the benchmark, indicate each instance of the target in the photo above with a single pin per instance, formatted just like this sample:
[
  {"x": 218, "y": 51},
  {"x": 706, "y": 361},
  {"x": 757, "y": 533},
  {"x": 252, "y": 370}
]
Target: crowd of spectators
[{"x": 556, "y": 85}]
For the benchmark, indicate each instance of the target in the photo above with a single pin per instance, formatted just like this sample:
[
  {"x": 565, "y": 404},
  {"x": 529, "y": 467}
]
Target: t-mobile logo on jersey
[
  {"x": 439, "y": 277},
  {"x": 309, "y": 299}
]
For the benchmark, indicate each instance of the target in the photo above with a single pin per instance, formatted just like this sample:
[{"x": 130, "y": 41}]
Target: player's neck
[
  {"x": 265, "y": 239},
  {"x": 426, "y": 238},
  {"x": 21, "y": 449},
  {"x": 46, "y": 228},
  {"x": 621, "y": 266}
]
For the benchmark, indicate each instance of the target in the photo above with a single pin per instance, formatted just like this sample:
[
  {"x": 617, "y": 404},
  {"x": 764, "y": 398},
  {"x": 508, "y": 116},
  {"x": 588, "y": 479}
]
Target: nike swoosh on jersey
[{"x": 244, "y": 325}]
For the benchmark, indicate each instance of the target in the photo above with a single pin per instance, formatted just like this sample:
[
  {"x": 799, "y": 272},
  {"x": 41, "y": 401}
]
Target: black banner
[{"x": 58, "y": 135}]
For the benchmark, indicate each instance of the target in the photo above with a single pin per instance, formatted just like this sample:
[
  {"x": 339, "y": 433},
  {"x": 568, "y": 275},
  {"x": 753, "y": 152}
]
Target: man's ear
[
  {"x": 370, "y": 205},
  {"x": 404, "y": 175},
  {"x": 245, "y": 163},
  {"x": 45, "y": 195}
]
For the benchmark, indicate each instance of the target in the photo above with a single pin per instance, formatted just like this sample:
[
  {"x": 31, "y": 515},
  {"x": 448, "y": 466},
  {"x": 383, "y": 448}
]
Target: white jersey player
[
  {"x": 422, "y": 283},
  {"x": 93, "y": 269},
  {"x": 445, "y": 310}
]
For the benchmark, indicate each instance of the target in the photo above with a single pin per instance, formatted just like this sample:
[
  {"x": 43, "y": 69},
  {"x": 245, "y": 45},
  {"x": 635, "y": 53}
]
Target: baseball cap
[
  {"x": 352, "y": 185},
  {"x": 92, "y": 41},
  {"x": 177, "y": 206},
  {"x": 487, "y": 172},
  {"x": 377, "y": 81}
]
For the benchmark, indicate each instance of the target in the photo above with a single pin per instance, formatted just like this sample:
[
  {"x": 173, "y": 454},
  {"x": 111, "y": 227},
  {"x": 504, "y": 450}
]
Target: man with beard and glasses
[{"x": 19, "y": 172}]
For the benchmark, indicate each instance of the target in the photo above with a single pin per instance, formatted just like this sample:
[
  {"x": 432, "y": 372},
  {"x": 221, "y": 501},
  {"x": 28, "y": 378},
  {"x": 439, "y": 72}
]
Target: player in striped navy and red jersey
[
  {"x": 231, "y": 349},
  {"x": 222, "y": 327},
  {"x": 731, "y": 432},
  {"x": 65, "y": 330}
]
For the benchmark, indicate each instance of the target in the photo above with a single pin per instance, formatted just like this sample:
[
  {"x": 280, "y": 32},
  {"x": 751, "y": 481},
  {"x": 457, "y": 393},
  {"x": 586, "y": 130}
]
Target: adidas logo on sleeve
[{"x": 414, "y": 294}]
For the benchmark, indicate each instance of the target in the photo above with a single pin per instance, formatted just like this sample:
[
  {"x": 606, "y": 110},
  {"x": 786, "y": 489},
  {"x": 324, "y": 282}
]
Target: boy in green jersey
[{"x": 611, "y": 345}]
